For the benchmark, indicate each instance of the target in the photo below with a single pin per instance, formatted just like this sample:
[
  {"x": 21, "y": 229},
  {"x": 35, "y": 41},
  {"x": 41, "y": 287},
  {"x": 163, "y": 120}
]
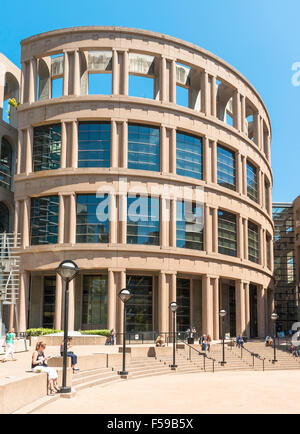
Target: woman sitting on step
[{"x": 39, "y": 364}]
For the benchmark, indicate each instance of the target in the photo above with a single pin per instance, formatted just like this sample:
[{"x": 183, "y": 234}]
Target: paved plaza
[{"x": 222, "y": 392}]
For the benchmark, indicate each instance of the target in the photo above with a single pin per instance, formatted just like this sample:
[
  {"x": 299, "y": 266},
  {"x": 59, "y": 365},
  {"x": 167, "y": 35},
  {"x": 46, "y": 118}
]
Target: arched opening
[
  {"x": 11, "y": 90},
  {"x": 5, "y": 164},
  {"x": 4, "y": 218}
]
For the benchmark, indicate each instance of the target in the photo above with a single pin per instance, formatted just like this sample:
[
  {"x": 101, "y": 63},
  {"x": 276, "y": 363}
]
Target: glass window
[
  {"x": 94, "y": 140},
  {"x": 139, "y": 307},
  {"x": 44, "y": 220},
  {"x": 227, "y": 236},
  {"x": 252, "y": 185},
  {"x": 183, "y": 300},
  {"x": 4, "y": 218},
  {"x": 189, "y": 225},
  {"x": 143, "y": 147},
  {"x": 189, "y": 156},
  {"x": 5, "y": 164},
  {"x": 49, "y": 301},
  {"x": 94, "y": 301},
  {"x": 226, "y": 168},
  {"x": 253, "y": 242},
  {"x": 268, "y": 243},
  {"x": 143, "y": 220},
  {"x": 46, "y": 147},
  {"x": 92, "y": 224}
]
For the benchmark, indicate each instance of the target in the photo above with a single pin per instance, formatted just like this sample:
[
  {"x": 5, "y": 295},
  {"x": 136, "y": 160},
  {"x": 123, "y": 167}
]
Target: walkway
[{"x": 225, "y": 392}]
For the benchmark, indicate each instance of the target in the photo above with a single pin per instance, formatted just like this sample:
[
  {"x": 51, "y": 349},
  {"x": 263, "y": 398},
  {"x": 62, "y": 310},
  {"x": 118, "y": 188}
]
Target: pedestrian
[
  {"x": 208, "y": 340},
  {"x": 112, "y": 337},
  {"x": 9, "y": 345},
  {"x": 70, "y": 354},
  {"x": 40, "y": 364}
]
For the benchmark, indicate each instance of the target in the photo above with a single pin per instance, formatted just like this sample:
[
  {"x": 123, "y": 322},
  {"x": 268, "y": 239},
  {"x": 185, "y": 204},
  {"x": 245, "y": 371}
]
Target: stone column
[
  {"x": 163, "y": 80},
  {"x": 214, "y": 177},
  {"x": 61, "y": 219},
  {"x": 29, "y": 150},
  {"x": 207, "y": 229},
  {"x": 261, "y": 311},
  {"x": 63, "y": 151},
  {"x": 71, "y": 324},
  {"x": 125, "y": 72},
  {"x": 163, "y": 303},
  {"x": 16, "y": 222},
  {"x": 58, "y": 303},
  {"x": 244, "y": 175},
  {"x": 32, "y": 80},
  {"x": 66, "y": 74},
  {"x": 173, "y": 82},
  {"x": 23, "y": 301},
  {"x": 247, "y": 308},
  {"x": 19, "y": 151},
  {"x": 26, "y": 223},
  {"x": 172, "y": 223},
  {"x": 213, "y": 96},
  {"x": 237, "y": 110},
  {"x": 76, "y": 73},
  {"x": 114, "y": 145},
  {"x": 204, "y": 93},
  {"x": 240, "y": 307},
  {"x": 207, "y": 306},
  {"x": 216, "y": 307},
  {"x": 115, "y": 73},
  {"x": 111, "y": 301},
  {"x": 239, "y": 173},
  {"x": 120, "y": 305},
  {"x": 73, "y": 218},
  {"x": 206, "y": 160},
  {"x": 113, "y": 228},
  {"x": 243, "y": 114},
  {"x": 240, "y": 244},
  {"x": 257, "y": 137},
  {"x": 74, "y": 144},
  {"x": 173, "y": 152}
]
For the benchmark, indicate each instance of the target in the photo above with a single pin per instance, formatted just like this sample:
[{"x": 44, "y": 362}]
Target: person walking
[{"x": 9, "y": 345}]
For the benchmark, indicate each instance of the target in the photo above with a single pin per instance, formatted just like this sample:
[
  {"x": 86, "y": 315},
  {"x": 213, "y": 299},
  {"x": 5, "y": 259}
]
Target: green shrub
[
  {"x": 95, "y": 332},
  {"x": 41, "y": 332}
]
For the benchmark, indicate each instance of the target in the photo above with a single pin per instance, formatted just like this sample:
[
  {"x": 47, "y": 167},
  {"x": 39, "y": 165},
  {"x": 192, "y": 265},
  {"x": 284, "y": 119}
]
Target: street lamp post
[
  {"x": 222, "y": 314},
  {"x": 67, "y": 271},
  {"x": 173, "y": 307},
  {"x": 274, "y": 318},
  {"x": 125, "y": 295}
]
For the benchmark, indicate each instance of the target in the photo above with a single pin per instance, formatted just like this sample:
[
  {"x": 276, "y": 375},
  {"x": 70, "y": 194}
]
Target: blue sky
[{"x": 260, "y": 38}]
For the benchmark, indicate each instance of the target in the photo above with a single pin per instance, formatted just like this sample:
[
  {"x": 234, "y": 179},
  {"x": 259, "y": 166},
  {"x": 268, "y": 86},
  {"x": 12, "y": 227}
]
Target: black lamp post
[
  {"x": 173, "y": 307},
  {"x": 274, "y": 318},
  {"x": 67, "y": 271},
  {"x": 222, "y": 314},
  {"x": 125, "y": 295}
]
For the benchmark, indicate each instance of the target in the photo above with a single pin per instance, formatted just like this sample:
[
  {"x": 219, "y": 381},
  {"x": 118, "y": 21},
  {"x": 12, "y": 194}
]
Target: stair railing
[{"x": 204, "y": 355}]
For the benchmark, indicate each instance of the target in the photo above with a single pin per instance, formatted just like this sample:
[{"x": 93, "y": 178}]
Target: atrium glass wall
[
  {"x": 227, "y": 233},
  {"x": 92, "y": 222},
  {"x": 183, "y": 301},
  {"x": 94, "y": 140},
  {"x": 226, "y": 171},
  {"x": 189, "y": 156},
  {"x": 46, "y": 147},
  {"x": 253, "y": 242},
  {"x": 143, "y": 220},
  {"x": 143, "y": 147},
  {"x": 189, "y": 225},
  {"x": 139, "y": 307},
  {"x": 94, "y": 301},
  {"x": 286, "y": 292},
  {"x": 44, "y": 220},
  {"x": 4, "y": 218},
  {"x": 49, "y": 301},
  {"x": 252, "y": 182},
  {"x": 5, "y": 164}
]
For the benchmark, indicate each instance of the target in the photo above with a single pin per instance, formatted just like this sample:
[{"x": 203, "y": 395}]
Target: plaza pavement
[{"x": 222, "y": 392}]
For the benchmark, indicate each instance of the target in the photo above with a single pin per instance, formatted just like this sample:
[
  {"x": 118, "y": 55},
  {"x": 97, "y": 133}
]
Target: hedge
[
  {"x": 41, "y": 332},
  {"x": 95, "y": 332}
]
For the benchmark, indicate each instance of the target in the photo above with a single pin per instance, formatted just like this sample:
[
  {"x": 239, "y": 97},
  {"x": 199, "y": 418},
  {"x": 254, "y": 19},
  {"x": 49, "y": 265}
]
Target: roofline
[{"x": 152, "y": 34}]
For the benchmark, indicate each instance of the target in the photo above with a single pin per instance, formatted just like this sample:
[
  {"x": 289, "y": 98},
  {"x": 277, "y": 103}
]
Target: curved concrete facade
[{"x": 223, "y": 109}]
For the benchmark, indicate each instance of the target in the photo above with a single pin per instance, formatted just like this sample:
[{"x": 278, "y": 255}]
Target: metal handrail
[
  {"x": 253, "y": 355},
  {"x": 204, "y": 355}
]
